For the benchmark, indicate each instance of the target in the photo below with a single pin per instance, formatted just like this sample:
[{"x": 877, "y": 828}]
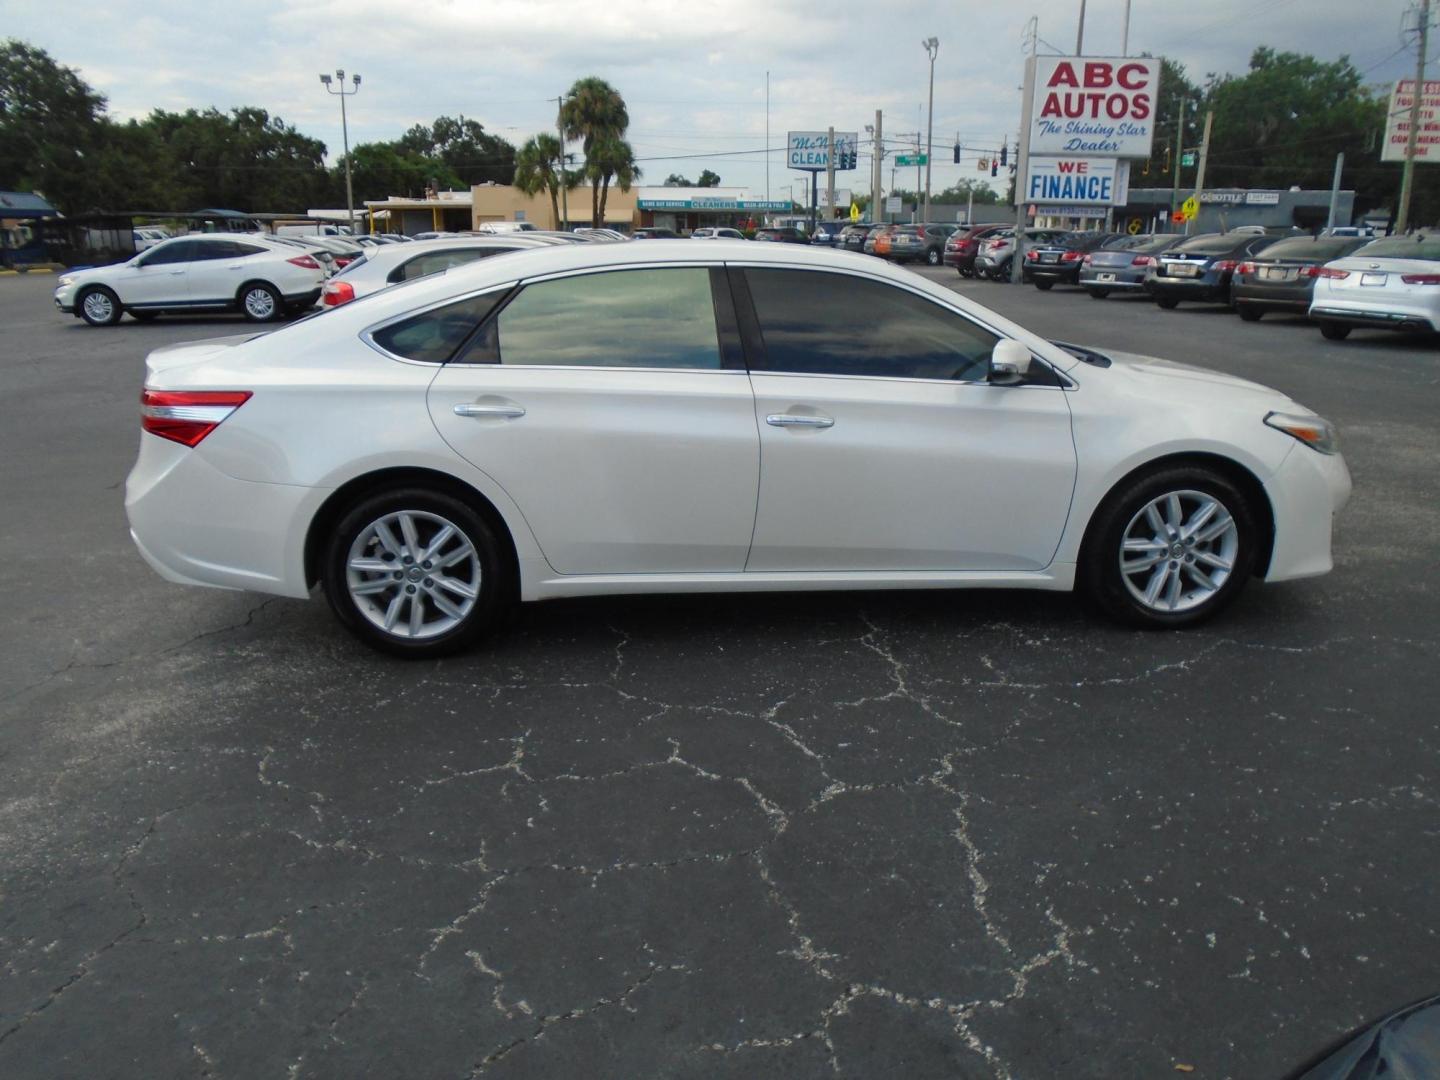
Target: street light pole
[
  {"x": 560, "y": 176},
  {"x": 1407, "y": 176},
  {"x": 932, "y": 46},
  {"x": 345, "y": 134}
]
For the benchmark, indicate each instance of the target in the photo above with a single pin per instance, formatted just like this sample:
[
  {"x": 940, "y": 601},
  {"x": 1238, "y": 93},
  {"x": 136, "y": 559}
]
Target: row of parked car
[{"x": 1339, "y": 281}]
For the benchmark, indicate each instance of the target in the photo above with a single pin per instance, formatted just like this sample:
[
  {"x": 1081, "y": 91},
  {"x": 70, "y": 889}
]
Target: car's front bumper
[{"x": 1306, "y": 492}]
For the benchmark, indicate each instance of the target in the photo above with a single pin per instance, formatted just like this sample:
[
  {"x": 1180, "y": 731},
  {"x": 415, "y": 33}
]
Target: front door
[
  {"x": 882, "y": 445},
  {"x": 160, "y": 277},
  {"x": 601, "y": 402}
]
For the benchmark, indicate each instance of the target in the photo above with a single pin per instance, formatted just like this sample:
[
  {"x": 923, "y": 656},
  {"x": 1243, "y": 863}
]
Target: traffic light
[
  {"x": 957, "y": 152},
  {"x": 994, "y": 167},
  {"x": 1004, "y": 151}
]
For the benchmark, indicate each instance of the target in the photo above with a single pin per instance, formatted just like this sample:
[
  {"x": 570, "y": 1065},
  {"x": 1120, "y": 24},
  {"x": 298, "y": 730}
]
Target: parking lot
[{"x": 971, "y": 834}]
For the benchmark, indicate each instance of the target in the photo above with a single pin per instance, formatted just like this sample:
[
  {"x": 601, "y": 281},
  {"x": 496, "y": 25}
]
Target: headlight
[
  {"x": 1314, "y": 432},
  {"x": 65, "y": 279}
]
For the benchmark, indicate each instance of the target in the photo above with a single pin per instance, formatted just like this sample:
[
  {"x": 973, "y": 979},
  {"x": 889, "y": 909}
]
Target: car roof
[{"x": 394, "y": 253}]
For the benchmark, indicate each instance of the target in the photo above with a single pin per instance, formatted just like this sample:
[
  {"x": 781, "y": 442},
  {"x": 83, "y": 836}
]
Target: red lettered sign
[{"x": 1094, "y": 105}]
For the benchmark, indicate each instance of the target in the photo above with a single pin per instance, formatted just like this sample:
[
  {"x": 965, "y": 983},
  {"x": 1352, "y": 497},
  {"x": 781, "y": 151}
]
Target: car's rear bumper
[
  {"x": 1119, "y": 279},
  {"x": 1199, "y": 289},
  {"x": 1412, "y": 320},
  {"x": 303, "y": 299},
  {"x": 1306, "y": 492},
  {"x": 1061, "y": 274}
]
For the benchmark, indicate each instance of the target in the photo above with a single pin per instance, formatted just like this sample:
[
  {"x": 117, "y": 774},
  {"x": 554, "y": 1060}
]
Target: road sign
[
  {"x": 854, "y": 212},
  {"x": 911, "y": 159},
  {"x": 1178, "y": 217},
  {"x": 1187, "y": 158},
  {"x": 892, "y": 204},
  {"x": 1190, "y": 209},
  {"x": 1135, "y": 226}
]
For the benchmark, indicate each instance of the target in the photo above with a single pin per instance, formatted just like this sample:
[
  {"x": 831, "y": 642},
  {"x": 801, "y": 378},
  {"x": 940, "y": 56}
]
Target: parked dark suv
[
  {"x": 1199, "y": 269},
  {"x": 1059, "y": 260}
]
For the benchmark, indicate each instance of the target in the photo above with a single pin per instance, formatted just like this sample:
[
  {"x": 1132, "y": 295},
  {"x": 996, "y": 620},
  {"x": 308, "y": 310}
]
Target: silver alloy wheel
[
  {"x": 1178, "y": 550},
  {"x": 413, "y": 574},
  {"x": 99, "y": 307},
  {"x": 259, "y": 304}
]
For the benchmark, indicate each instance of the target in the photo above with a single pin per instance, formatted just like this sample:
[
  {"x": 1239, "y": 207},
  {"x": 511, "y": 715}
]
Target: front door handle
[
  {"x": 467, "y": 409},
  {"x": 794, "y": 420}
]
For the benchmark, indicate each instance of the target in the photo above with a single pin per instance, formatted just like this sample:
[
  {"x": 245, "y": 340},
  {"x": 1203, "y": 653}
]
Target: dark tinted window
[
  {"x": 1318, "y": 250},
  {"x": 434, "y": 262},
  {"x": 173, "y": 252},
  {"x": 1419, "y": 246},
  {"x": 247, "y": 249},
  {"x": 834, "y": 324},
  {"x": 434, "y": 335},
  {"x": 662, "y": 318}
]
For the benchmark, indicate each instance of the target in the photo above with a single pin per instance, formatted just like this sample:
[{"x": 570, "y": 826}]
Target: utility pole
[
  {"x": 1179, "y": 149},
  {"x": 1200, "y": 172},
  {"x": 877, "y": 169},
  {"x": 932, "y": 47},
  {"x": 1335, "y": 191},
  {"x": 1022, "y": 164},
  {"x": 564, "y": 193},
  {"x": 345, "y": 134},
  {"x": 1080, "y": 32},
  {"x": 917, "y": 177},
  {"x": 830, "y": 176},
  {"x": 767, "y": 138},
  {"x": 1402, "y": 222},
  {"x": 1125, "y": 33}
]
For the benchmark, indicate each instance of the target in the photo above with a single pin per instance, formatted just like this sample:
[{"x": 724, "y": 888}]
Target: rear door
[
  {"x": 882, "y": 446},
  {"x": 614, "y": 408}
]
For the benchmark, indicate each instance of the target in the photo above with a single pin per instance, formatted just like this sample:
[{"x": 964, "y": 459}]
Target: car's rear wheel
[
  {"x": 1098, "y": 294},
  {"x": 1169, "y": 303},
  {"x": 260, "y": 302},
  {"x": 1248, "y": 313},
  {"x": 415, "y": 572},
  {"x": 99, "y": 306},
  {"x": 1170, "y": 548},
  {"x": 1335, "y": 331},
  {"x": 1043, "y": 285}
]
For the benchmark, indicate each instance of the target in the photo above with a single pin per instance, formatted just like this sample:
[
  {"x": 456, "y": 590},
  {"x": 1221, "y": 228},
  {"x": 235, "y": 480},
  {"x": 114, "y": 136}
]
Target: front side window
[
  {"x": 432, "y": 336},
  {"x": 176, "y": 251},
  {"x": 834, "y": 324},
  {"x": 662, "y": 318}
]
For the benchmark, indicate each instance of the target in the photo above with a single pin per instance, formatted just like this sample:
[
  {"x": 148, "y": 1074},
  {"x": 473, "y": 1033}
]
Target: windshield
[
  {"x": 1322, "y": 250},
  {"x": 1418, "y": 246}
]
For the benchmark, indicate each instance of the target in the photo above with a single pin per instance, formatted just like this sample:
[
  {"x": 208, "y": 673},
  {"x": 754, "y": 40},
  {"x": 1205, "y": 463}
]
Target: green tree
[
  {"x": 467, "y": 150},
  {"x": 50, "y": 121},
  {"x": 708, "y": 179},
  {"x": 676, "y": 180},
  {"x": 611, "y": 160},
  {"x": 383, "y": 169},
  {"x": 595, "y": 113},
  {"x": 536, "y": 170},
  {"x": 963, "y": 190}
]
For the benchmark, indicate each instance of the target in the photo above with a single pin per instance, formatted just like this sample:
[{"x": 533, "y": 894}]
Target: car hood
[
  {"x": 168, "y": 357},
  {"x": 1169, "y": 375}
]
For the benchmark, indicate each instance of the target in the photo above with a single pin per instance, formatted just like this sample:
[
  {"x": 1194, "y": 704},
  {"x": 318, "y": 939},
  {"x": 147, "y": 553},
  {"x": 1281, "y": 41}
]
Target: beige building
[
  {"x": 445, "y": 211},
  {"x": 502, "y": 202}
]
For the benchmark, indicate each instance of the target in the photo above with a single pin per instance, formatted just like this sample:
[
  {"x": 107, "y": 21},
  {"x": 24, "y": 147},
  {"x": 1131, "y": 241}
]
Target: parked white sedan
[
  {"x": 618, "y": 418},
  {"x": 1389, "y": 284},
  {"x": 395, "y": 263},
  {"x": 261, "y": 278}
]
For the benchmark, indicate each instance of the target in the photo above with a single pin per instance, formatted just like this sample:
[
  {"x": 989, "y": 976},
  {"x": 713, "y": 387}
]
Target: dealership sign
[
  {"x": 810, "y": 150},
  {"x": 1095, "y": 106},
  {"x": 1397, "y": 127},
  {"x": 1077, "y": 181}
]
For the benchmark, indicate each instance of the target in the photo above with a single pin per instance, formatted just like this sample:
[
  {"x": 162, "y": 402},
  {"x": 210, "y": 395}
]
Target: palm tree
[
  {"x": 595, "y": 113},
  {"x": 611, "y": 158},
  {"x": 536, "y": 170}
]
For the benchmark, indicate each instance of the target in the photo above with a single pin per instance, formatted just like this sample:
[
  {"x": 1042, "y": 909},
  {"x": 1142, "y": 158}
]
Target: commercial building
[
  {"x": 441, "y": 211},
  {"x": 504, "y": 202},
  {"x": 678, "y": 208}
]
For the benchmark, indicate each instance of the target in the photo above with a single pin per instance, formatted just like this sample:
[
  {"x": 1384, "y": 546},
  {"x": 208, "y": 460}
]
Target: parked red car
[{"x": 963, "y": 245}]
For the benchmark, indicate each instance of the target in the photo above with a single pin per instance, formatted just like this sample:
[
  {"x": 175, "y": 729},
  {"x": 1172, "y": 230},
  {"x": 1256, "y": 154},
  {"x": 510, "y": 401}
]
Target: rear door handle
[
  {"x": 467, "y": 409},
  {"x": 794, "y": 420}
]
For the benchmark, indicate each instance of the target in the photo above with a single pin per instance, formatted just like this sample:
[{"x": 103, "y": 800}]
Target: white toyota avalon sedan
[{"x": 637, "y": 418}]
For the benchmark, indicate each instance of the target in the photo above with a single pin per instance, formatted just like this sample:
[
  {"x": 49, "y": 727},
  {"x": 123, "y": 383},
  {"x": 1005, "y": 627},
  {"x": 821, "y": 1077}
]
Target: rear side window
[
  {"x": 833, "y": 324},
  {"x": 432, "y": 337},
  {"x": 662, "y": 318},
  {"x": 436, "y": 261}
]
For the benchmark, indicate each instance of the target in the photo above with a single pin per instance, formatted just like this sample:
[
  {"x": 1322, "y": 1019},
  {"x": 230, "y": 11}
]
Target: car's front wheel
[
  {"x": 1170, "y": 548},
  {"x": 99, "y": 306},
  {"x": 1334, "y": 331},
  {"x": 415, "y": 572},
  {"x": 261, "y": 303}
]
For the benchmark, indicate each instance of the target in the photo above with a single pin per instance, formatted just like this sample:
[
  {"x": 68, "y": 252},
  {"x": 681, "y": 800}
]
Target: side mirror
[{"x": 1009, "y": 363}]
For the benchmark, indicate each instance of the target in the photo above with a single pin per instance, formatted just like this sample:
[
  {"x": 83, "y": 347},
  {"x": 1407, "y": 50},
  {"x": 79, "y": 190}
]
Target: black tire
[
  {"x": 1043, "y": 285},
  {"x": 1098, "y": 294},
  {"x": 1248, "y": 313},
  {"x": 1169, "y": 303},
  {"x": 1099, "y": 577},
  {"x": 143, "y": 316},
  {"x": 493, "y": 586},
  {"x": 1334, "y": 331},
  {"x": 104, "y": 311},
  {"x": 259, "y": 302},
  {"x": 932, "y": 257}
]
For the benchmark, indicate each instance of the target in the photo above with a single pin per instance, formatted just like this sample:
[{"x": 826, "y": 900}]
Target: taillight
[
  {"x": 344, "y": 260},
  {"x": 1326, "y": 271},
  {"x": 1308, "y": 271},
  {"x": 307, "y": 261},
  {"x": 187, "y": 416},
  {"x": 1089, "y": 260},
  {"x": 1245, "y": 268},
  {"x": 1031, "y": 255},
  {"x": 1142, "y": 260},
  {"x": 1224, "y": 266},
  {"x": 336, "y": 293},
  {"x": 1420, "y": 279},
  {"x": 1071, "y": 256}
]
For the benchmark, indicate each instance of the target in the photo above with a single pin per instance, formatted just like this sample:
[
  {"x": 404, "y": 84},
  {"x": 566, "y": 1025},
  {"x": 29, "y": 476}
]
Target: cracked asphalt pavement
[{"x": 920, "y": 835}]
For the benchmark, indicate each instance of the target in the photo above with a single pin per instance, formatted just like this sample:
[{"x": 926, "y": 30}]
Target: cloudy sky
[{"x": 693, "y": 73}]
